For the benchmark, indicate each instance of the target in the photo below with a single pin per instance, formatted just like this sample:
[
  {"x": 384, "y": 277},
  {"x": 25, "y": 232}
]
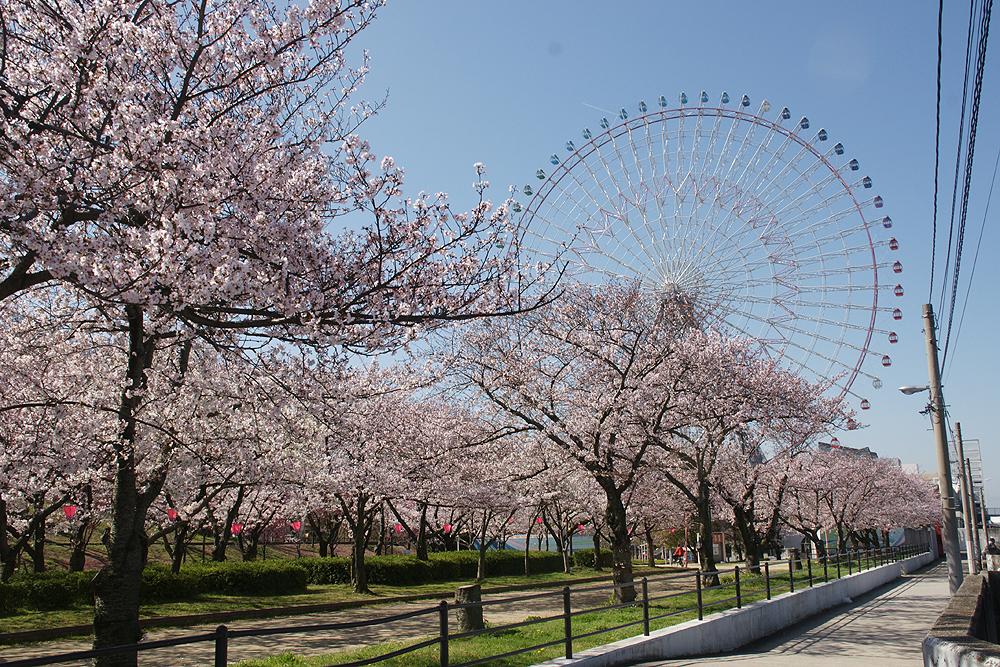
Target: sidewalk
[{"x": 884, "y": 627}]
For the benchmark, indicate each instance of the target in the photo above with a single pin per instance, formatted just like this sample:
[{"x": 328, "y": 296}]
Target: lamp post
[{"x": 949, "y": 525}]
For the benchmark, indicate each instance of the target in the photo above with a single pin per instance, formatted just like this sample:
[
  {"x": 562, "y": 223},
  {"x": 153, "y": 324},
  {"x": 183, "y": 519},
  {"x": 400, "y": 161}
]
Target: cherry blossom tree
[
  {"x": 731, "y": 395},
  {"x": 575, "y": 374},
  {"x": 192, "y": 167}
]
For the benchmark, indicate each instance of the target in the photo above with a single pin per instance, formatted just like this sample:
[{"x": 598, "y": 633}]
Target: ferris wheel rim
[{"x": 595, "y": 141}]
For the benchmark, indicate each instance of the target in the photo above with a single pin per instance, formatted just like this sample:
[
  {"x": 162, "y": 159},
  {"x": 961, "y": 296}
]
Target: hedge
[
  {"x": 60, "y": 589},
  {"x": 442, "y": 566},
  {"x": 585, "y": 558}
]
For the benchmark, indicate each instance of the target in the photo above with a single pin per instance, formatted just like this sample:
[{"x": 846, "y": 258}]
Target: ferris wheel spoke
[{"x": 759, "y": 227}]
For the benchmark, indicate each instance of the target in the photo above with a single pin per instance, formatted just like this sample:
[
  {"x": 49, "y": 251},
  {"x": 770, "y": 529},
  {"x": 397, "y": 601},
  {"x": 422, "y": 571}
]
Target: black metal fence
[{"x": 710, "y": 591}]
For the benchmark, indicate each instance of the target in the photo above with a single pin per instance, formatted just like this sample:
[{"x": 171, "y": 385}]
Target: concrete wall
[
  {"x": 730, "y": 629},
  {"x": 963, "y": 634}
]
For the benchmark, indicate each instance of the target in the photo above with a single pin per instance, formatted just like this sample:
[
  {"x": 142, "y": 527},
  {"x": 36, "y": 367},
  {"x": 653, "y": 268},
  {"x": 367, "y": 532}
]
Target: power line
[
  {"x": 975, "y": 258},
  {"x": 958, "y": 153},
  {"x": 984, "y": 35},
  {"x": 937, "y": 149}
]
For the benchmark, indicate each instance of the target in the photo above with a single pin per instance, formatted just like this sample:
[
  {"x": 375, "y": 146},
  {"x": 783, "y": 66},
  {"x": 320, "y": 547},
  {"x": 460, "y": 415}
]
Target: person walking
[{"x": 993, "y": 556}]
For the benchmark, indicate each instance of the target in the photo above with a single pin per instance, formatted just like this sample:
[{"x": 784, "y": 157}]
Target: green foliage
[
  {"x": 263, "y": 577},
  {"x": 585, "y": 558},
  {"x": 59, "y": 589},
  {"x": 442, "y": 566},
  {"x": 46, "y": 590}
]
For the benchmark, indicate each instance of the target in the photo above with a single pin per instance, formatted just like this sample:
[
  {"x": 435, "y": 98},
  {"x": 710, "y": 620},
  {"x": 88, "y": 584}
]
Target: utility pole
[
  {"x": 982, "y": 512},
  {"x": 949, "y": 524},
  {"x": 963, "y": 484},
  {"x": 975, "y": 520}
]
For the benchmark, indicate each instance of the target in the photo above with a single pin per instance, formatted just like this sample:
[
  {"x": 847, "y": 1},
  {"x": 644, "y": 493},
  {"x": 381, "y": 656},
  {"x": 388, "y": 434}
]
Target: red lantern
[
  {"x": 398, "y": 528},
  {"x": 236, "y": 528},
  {"x": 886, "y": 361},
  {"x": 897, "y": 267},
  {"x": 538, "y": 519},
  {"x": 579, "y": 527},
  {"x": 865, "y": 405},
  {"x": 172, "y": 514},
  {"x": 898, "y": 290},
  {"x": 897, "y": 314},
  {"x": 69, "y": 511},
  {"x": 893, "y": 338},
  {"x": 296, "y": 525},
  {"x": 893, "y": 244},
  {"x": 446, "y": 528}
]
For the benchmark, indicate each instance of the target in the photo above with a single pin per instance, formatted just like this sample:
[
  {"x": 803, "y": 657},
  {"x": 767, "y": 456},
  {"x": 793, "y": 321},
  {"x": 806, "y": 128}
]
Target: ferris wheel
[{"x": 761, "y": 223}]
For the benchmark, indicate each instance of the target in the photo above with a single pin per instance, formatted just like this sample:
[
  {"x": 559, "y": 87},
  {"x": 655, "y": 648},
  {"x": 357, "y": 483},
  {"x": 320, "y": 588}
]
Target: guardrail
[{"x": 803, "y": 571}]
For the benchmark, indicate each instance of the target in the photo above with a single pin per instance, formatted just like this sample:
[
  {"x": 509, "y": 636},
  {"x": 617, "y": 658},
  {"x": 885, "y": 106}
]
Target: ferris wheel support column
[{"x": 949, "y": 524}]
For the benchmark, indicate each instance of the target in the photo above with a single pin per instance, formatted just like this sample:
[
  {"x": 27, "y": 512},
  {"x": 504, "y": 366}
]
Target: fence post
[
  {"x": 221, "y": 646},
  {"x": 697, "y": 582},
  {"x": 645, "y": 606},
  {"x": 809, "y": 567},
  {"x": 767, "y": 580},
  {"x": 826, "y": 558},
  {"x": 791, "y": 576},
  {"x": 567, "y": 622},
  {"x": 859, "y": 560},
  {"x": 443, "y": 630},
  {"x": 739, "y": 599},
  {"x": 850, "y": 564},
  {"x": 838, "y": 563}
]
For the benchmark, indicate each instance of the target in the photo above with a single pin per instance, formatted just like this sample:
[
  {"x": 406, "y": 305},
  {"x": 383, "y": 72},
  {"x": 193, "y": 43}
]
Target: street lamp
[{"x": 909, "y": 391}]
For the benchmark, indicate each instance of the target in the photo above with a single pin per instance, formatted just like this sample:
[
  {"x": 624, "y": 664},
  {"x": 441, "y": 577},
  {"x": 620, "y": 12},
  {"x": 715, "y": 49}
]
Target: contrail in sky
[{"x": 597, "y": 108}]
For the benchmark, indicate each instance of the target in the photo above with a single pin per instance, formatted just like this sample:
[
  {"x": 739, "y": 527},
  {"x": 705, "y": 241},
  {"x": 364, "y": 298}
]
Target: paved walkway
[
  {"x": 884, "y": 628},
  {"x": 325, "y": 642}
]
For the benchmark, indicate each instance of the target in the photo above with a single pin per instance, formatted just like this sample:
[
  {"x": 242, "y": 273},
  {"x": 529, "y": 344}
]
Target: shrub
[
  {"x": 159, "y": 584},
  {"x": 46, "y": 590},
  {"x": 265, "y": 577},
  {"x": 327, "y": 570},
  {"x": 585, "y": 558}
]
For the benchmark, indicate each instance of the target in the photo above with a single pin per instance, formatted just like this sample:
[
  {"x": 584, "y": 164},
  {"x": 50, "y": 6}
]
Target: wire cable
[
  {"x": 937, "y": 149},
  {"x": 958, "y": 153},
  {"x": 970, "y": 154},
  {"x": 975, "y": 258}
]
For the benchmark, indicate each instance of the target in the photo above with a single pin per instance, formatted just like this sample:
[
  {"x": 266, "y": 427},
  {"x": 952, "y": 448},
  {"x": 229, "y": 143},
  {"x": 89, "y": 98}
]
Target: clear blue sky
[{"x": 507, "y": 83}]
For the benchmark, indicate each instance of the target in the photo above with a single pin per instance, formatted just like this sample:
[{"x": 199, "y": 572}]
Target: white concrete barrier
[{"x": 730, "y": 629}]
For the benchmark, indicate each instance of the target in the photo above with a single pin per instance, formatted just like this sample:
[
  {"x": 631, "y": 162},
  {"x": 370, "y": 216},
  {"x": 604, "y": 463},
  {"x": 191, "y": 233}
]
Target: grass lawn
[
  {"x": 316, "y": 594},
  {"x": 677, "y": 609},
  {"x": 681, "y": 608}
]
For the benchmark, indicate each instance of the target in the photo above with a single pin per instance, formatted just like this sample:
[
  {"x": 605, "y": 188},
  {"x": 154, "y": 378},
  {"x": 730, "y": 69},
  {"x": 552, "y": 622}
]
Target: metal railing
[{"x": 710, "y": 591}]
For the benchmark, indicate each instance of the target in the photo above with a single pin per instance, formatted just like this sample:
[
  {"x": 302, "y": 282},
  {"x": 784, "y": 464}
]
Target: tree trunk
[
  {"x": 597, "y": 549},
  {"x": 38, "y": 537},
  {"x": 481, "y": 563},
  {"x": 8, "y": 557},
  {"x": 359, "y": 534},
  {"x": 180, "y": 547},
  {"x": 116, "y": 586},
  {"x": 650, "y": 547},
  {"x": 422, "y": 534},
  {"x": 707, "y": 556},
  {"x": 78, "y": 546},
  {"x": 527, "y": 548},
  {"x": 621, "y": 543}
]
